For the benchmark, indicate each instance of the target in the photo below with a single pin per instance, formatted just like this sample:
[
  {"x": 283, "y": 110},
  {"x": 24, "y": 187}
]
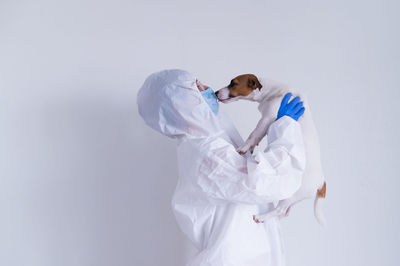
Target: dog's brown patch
[{"x": 321, "y": 193}]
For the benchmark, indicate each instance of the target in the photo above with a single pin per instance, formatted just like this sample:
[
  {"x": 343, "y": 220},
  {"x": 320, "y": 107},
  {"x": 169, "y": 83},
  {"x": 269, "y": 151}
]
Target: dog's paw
[
  {"x": 285, "y": 213},
  {"x": 241, "y": 151},
  {"x": 245, "y": 148},
  {"x": 252, "y": 149},
  {"x": 258, "y": 219}
]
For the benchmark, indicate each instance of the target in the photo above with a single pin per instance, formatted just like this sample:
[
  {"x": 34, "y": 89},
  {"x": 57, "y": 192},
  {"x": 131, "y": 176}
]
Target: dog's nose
[{"x": 216, "y": 93}]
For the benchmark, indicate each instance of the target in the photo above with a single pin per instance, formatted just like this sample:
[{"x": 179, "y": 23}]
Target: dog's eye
[{"x": 232, "y": 84}]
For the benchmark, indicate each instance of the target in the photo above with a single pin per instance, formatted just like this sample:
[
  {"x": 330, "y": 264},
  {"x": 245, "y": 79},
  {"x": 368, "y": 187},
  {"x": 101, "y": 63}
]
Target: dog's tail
[{"x": 320, "y": 195}]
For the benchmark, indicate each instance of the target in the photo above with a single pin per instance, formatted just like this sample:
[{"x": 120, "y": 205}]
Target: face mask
[{"x": 211, "y": 99}]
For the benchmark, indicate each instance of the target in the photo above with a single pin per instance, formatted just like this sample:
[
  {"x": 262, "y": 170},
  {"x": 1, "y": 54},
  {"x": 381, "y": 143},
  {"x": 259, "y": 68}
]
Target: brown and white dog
[{"x": 269, "y": 94}]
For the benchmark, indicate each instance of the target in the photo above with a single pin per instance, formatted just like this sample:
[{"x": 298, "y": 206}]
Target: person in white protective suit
[{"x": 219, "y": 190}]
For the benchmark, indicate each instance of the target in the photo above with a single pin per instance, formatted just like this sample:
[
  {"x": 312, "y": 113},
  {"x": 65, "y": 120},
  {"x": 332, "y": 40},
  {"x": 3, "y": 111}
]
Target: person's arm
[{"x": 268, "y": 176}]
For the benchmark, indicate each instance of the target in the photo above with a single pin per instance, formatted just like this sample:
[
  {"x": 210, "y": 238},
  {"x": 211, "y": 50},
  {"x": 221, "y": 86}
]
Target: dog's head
[{"x": 240, "y": 87}]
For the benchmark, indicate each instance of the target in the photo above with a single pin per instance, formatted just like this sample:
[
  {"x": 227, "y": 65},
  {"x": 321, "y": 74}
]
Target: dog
[{"x": 269, "y": 94}]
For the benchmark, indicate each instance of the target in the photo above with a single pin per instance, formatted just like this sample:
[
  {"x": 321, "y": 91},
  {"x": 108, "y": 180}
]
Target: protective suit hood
[{"x": 170, "y": 102}]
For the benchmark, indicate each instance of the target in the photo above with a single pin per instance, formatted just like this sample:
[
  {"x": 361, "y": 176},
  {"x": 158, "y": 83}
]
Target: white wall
[{"x": 85, "y": 182}]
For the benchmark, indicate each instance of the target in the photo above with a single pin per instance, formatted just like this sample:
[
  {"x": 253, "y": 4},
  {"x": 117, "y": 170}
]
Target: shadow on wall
[{"x": 96, "y": 189}]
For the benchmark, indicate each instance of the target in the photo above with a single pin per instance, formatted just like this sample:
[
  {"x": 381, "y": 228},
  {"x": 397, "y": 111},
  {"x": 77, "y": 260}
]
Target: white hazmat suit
[{"x": 218, "y": 190}]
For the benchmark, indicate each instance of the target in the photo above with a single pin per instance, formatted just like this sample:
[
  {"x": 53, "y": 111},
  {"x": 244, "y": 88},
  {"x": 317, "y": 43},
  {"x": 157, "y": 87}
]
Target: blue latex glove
[{"x": 294, "y": 109}]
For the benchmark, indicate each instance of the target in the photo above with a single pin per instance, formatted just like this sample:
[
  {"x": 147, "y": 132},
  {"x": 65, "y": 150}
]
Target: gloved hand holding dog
[{"x": 294, "y": 109}]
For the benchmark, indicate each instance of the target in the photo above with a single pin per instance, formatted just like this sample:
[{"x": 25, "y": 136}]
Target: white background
[{"x": 85, "y": 182}]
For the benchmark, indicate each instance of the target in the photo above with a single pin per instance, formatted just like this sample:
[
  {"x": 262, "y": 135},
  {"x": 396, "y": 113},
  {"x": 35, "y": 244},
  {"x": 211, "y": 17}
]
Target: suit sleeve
[{"x": 268, "y": 176}]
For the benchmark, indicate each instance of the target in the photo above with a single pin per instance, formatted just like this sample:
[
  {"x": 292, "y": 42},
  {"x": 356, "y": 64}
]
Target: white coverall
[{"x": 218, "y": 189}]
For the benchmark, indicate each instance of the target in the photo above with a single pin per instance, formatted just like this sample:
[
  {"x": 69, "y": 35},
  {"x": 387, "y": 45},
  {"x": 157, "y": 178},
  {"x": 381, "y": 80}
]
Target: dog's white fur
[{"x": 269, "y": 98}]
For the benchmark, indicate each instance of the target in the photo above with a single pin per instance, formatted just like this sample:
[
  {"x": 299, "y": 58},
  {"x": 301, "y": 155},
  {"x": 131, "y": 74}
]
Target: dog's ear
[{"x": 253, "y": 82}]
